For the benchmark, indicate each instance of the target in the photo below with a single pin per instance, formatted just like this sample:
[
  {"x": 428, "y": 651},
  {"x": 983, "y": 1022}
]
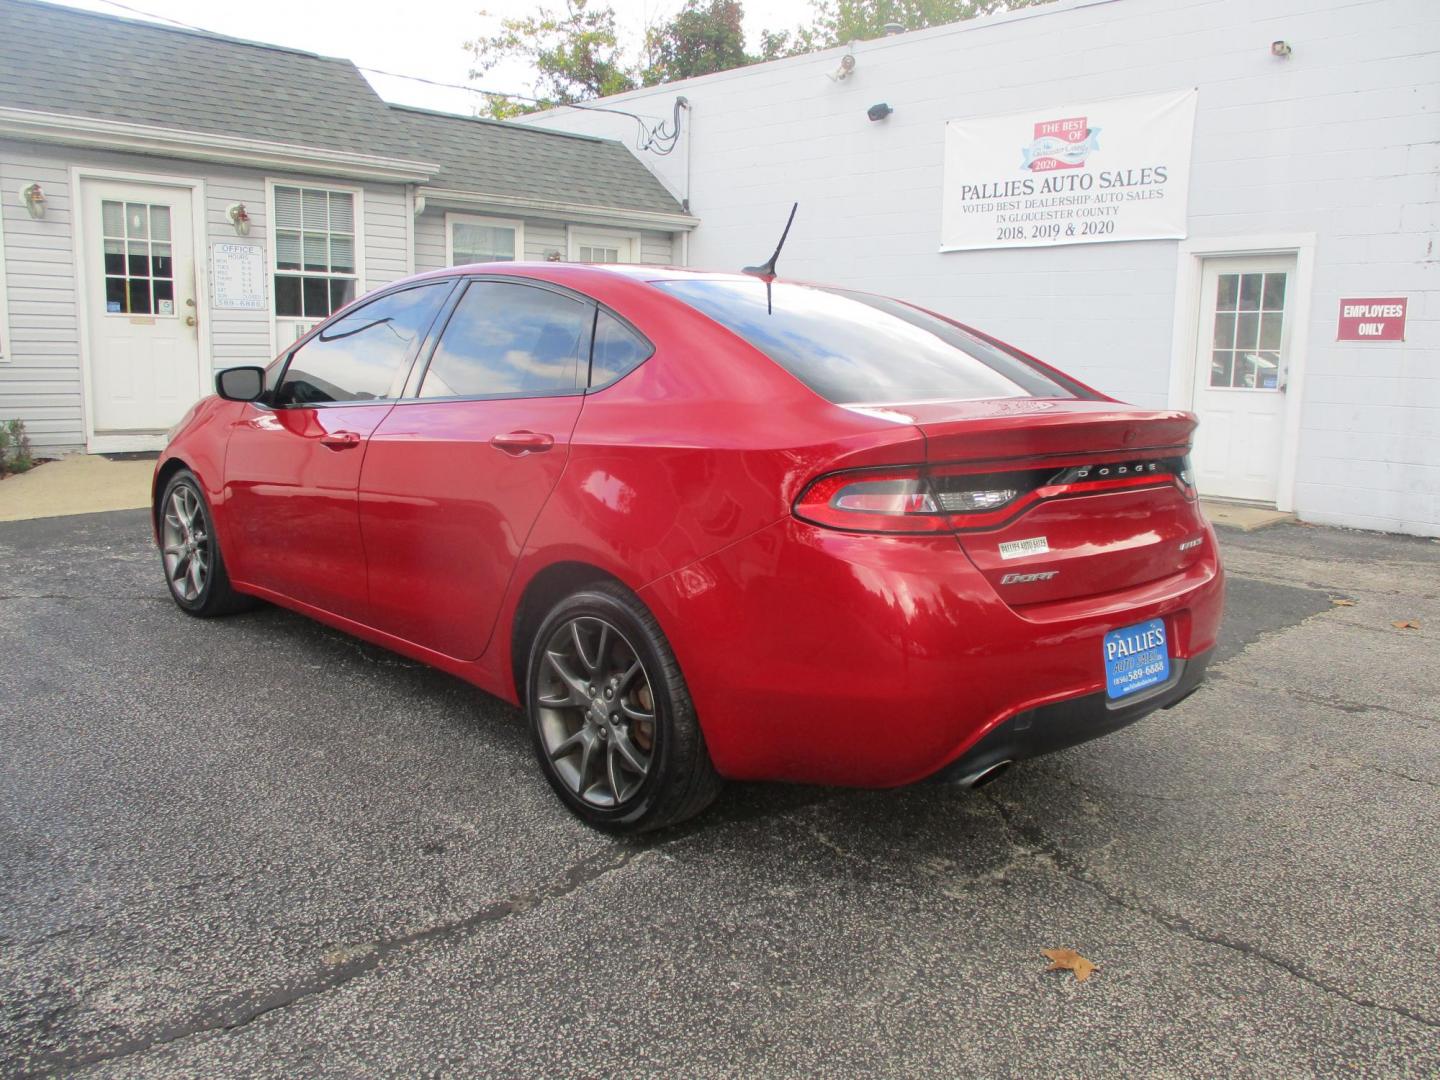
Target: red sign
[
  {"x": 1379, "y": 318},
  {"x": 1060, "y": 144}
]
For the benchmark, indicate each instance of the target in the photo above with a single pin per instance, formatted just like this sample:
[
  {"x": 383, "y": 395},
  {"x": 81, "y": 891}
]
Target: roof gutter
[
  {"x": 597, "y": 215},
  {"x": 205, "y": 146}
]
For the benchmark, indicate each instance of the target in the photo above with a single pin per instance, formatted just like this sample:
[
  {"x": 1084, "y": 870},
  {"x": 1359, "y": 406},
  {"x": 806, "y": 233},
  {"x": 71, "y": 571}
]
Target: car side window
[
  {"x": 617, "y": 351},
  {"x": 509, "y": 339},
  {"x": 364, "y": 354}
]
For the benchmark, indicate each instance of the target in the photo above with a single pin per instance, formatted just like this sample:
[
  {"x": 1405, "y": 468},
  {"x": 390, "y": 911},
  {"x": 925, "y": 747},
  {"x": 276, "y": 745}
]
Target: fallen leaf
[
  {"x": 1069, "y": 960},
  {"x": 1406, "y": 624},
  {"x": 1338, "y": 602}
]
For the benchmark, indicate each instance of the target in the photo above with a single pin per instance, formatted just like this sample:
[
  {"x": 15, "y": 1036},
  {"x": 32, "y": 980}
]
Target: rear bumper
[
  {"x": 825, "y": 657},
  {"x": 1068, "y": 723}
]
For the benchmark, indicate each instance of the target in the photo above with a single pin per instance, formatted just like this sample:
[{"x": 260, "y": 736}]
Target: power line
[
  {"x": 661, "y": 137},
  {"x": 153, "y": 15}
]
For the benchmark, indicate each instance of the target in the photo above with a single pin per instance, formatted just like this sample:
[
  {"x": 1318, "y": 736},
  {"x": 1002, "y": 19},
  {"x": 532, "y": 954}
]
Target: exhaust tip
[{"x": 978, "y": 780}]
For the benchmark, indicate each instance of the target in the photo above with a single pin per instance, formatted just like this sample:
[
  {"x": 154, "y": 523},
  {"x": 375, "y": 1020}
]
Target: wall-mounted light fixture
[
  {"x": 33, "y": 199},
  {"x": 239, "y": 217},
  {"x": 1280, "y": 48},
  {"x": 553, "y": 255},
  {"x": 879, "y": 111},
  {"x": 846, "y": 68}
]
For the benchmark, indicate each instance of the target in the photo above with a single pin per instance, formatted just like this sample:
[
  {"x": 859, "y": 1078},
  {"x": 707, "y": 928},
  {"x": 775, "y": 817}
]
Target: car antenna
[{"x": 766, "y": 270}]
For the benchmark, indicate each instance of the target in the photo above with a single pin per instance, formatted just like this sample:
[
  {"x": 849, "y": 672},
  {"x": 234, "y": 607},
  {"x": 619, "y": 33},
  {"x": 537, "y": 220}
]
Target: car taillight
[
  {"x": 889, "y": 501},
  {"x": 946, "y": 498}
]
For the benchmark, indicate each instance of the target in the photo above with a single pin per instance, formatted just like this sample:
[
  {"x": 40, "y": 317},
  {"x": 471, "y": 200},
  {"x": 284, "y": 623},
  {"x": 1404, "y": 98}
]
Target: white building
[
  {"x": 172, "y": 202},
  {"x": 1315, "y": 155}
]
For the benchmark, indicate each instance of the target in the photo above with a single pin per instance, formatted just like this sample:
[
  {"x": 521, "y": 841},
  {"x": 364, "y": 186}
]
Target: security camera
[{"x": 879, "y": 112}]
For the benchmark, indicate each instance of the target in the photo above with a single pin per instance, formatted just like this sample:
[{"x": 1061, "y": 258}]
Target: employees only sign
[
  {"x": 1072, "y": 174},
  {"x": 1376, "y": 318}
]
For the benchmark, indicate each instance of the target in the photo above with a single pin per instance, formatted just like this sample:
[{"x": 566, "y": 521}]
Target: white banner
[{"x": 1073, "y": 174}]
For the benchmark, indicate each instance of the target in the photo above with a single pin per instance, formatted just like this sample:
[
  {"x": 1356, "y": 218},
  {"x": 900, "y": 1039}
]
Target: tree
[
  {"x": 838, "y": 22},
  {"x": 575, "y": 53},
  {"x": 704, "y": 37}
]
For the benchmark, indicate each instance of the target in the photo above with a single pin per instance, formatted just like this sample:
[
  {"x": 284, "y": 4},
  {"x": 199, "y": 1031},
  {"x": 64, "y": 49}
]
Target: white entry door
[
  {"x": 1240, "y": 371},
  {"x": 141, "y": 315}
]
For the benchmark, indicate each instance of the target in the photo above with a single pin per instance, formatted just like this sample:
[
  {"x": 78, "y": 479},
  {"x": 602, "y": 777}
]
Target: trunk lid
[
  {"x": 969, "y": 431},
  {"x": 1102, "y": 506}
]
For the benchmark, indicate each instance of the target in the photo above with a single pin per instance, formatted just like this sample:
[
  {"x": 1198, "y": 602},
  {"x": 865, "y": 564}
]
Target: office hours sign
[{"x": 1069, "y": 174}]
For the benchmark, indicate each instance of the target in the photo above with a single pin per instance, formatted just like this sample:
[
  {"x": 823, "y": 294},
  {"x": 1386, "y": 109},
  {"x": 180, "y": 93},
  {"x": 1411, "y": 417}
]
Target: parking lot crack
[
  {"x": 1328, "y": 701},
  {"x": 1066, "y": 864},
  {"x": 350, "y": 963}
]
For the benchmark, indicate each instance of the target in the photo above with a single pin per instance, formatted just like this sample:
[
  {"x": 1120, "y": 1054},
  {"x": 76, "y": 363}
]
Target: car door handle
[
  {"x": 340, "y": 440},
  {"x": 516, "y": 443}
]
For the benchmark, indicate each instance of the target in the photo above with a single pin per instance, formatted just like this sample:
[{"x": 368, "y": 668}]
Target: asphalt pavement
[{"x": 254, "y": 846}]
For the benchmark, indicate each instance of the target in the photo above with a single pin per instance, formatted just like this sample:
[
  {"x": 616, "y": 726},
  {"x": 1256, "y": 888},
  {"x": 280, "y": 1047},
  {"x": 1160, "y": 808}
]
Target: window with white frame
[
  {"x": 597, "y": 246},
  {"x": 471, "y": 239},
  {"x": 315, "y": 240}
]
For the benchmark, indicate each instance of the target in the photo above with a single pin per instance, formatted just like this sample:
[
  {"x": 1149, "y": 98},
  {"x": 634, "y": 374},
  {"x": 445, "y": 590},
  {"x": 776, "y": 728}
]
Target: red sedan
[{"x": 701, "y": 526}]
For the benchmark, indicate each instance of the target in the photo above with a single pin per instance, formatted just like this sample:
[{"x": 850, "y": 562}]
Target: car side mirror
[{"x": 241, "y": 383}]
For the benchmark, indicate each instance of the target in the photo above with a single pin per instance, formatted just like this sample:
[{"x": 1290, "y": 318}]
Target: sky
[{"x": 414, "y": 37}]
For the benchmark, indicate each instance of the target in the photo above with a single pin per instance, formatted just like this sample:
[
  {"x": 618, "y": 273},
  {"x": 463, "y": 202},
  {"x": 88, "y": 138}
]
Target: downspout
[
  {"x": 410, "y": 212},
  {"x": 689, "y": 130}
]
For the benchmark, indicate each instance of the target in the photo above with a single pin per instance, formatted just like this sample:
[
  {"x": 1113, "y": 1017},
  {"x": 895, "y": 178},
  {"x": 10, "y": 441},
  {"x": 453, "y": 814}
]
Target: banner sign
[
  {"x": 1073, "y": 174},
  {"x": 1379, "y": 318}
]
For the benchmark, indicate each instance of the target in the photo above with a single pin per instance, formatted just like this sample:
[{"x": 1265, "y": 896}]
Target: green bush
[{"x": 15, "y": 455}]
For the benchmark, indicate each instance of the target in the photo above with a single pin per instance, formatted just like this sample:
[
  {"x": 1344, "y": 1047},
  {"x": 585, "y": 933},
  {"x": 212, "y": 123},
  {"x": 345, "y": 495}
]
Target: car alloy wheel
[
  {"x": 185, "y": 541},
  {"x": 596, "y": 712}
]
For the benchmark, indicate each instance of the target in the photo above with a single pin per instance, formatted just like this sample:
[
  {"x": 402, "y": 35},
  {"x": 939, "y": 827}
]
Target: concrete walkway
[
  {"x": 76, "y": 484},
  {"x": 1242, "y": 516}
]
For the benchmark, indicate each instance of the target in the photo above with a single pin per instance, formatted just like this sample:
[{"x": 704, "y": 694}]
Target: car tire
[
  {"x": 605, "y": 696},
  {"x": 190, "y": 552}
]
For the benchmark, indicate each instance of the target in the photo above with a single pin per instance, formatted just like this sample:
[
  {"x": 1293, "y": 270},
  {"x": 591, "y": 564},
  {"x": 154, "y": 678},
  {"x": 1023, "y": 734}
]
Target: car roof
[{"x": 579, "y": 273}]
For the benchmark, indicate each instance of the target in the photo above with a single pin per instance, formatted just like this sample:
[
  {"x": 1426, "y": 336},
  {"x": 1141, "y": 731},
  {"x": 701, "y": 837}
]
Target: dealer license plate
[{"x": 1136, "y": 658}]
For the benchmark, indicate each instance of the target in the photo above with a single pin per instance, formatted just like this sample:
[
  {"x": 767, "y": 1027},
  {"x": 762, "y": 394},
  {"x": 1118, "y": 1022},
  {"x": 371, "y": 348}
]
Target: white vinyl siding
[
  {"x": 386, "y": 232},
  {"x": 659, "y": 249},
  {"x": 40, "y": 379},
  {"x": 4, "y": 298}
]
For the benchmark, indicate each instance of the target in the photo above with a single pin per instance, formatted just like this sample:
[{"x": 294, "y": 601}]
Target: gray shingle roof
[
  {"x": 79, "y": 63},
  {"x": 499, "y": 158},
  {"x": 57, "y": 59}
]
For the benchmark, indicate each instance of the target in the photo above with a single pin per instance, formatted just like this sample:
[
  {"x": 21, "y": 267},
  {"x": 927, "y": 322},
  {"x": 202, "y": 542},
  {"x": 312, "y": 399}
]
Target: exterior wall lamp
[
  {"x": 1280, "y": 48},
  {"x": 879, "y": 112},
  {"x": 34, "y": 199},
  {"x": 239, "y": 217}
]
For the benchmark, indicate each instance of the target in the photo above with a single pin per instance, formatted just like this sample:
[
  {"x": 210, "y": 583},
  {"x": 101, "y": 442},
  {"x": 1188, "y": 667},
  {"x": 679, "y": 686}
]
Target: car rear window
[{"x": 856, "y": 349}]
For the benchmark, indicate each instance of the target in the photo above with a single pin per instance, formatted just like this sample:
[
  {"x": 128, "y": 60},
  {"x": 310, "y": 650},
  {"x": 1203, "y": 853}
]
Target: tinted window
[
  {"x": 509, "y": 339},
  {"x": 856, "y": 349},
  {"x": 362, "y": 355},
  {"x": 618, "y": 350}
]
